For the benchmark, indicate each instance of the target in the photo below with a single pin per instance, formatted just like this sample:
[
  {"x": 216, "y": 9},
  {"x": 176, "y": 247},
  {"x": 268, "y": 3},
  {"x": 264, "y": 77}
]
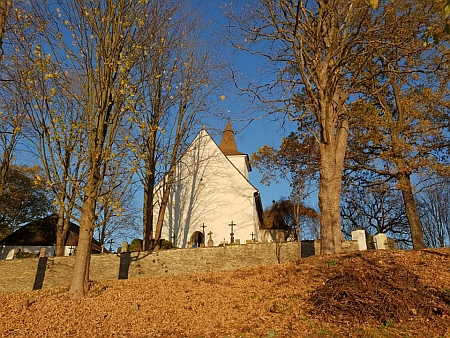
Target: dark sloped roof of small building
[{"x": 42, "y": 232}]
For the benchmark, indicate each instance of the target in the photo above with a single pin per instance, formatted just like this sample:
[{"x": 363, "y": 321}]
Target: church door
[{"x": 197, "y": 239}]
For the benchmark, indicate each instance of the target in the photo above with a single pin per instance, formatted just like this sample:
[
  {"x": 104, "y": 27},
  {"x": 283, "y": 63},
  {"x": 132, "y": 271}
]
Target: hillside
[{"x": 370, "y": 294}]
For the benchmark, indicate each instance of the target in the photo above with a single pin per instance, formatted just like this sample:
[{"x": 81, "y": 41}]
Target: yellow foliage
[{"x": 373, "y": 3}]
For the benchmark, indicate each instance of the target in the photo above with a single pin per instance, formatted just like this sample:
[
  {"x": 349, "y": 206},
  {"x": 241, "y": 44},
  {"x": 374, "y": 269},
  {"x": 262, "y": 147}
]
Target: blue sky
[{"x": 252, "y": 130}]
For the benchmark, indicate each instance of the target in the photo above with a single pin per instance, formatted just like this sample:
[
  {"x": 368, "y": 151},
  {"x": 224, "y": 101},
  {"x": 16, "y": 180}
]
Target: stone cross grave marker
[
  {"x": 232, "y": 232},
  {"x": 210, "y": 240}
]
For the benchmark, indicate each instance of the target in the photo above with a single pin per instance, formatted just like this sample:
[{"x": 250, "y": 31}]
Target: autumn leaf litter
[{"x": 397, "y": 293}]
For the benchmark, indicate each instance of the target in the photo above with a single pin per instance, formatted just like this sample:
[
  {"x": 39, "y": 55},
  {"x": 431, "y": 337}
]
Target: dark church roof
[{"x": 42, "y": 232}]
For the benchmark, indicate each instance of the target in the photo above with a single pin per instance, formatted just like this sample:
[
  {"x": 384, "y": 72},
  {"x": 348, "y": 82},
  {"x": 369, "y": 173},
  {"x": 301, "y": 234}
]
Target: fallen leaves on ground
[{"x": 360, "y": 295}]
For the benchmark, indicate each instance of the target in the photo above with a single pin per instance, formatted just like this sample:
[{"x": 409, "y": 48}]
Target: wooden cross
[
  {"x": 203, "y": 227},
  {"x": 110, "y": 242},
  {"x": 232, "y": 232},
  {"x": 253, "y": 235},
  {"x": 203, "y": 238}
]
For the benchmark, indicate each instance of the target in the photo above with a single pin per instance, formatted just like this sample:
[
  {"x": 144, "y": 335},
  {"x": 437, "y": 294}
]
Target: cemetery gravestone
[
  {"x": 360, "y": 236},
  {"x": 210, "y": 240},
  {"x": 380, "y": 241}
]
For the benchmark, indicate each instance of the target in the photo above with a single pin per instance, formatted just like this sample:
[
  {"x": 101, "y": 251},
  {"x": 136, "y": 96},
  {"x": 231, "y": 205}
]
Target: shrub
[
  {"x": 136, "y": 245},
  {"x": 167, "y": 245},
  {"x": 25, "y": 254}
]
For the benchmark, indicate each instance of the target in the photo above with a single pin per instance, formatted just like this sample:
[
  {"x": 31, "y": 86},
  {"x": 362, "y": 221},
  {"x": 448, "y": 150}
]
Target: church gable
[
  {"x": 205, "y": 158},
  {"x": 209, "y": 192}
]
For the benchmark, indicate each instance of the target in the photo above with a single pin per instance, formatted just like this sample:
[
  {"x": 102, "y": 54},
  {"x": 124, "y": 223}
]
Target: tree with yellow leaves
[
  {"x": 91, "y": 49},
  {"x": 398, "y": 126},
  {"x": 315, "y": 47},
  {"x": 321, "y": 52}
]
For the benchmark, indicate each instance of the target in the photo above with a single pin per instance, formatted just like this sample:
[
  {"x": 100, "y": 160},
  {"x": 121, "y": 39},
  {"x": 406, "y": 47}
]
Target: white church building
[{"x": 212, "y": 201}]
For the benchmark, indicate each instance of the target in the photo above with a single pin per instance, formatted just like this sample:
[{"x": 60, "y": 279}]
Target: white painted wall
[
  {"x": 241, "y": 163},
  {"x": 209, "y": 190}
]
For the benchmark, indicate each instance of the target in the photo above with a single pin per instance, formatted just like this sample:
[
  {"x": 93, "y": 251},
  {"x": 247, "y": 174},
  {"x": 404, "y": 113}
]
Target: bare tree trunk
[
  {"x": 80, "y": 279},
  {"x": 415, "y": 225},
  {"x": 404, "y": 172},
  {"x": 6, "y": 162},
  {"x": 61, "y": 232},
  {"x": 329, "y": 203},
  {"x": 180, "y": 130},
  {"x": 63, "y": 224},
  {"x": 162, "y": 210},
  {"x": 149, "y": 186},
  {"x": 148, "y": 212}
]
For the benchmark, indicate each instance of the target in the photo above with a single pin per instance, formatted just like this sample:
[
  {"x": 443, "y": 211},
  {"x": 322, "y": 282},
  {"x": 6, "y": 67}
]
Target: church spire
[{"x": 228, "y": 144}]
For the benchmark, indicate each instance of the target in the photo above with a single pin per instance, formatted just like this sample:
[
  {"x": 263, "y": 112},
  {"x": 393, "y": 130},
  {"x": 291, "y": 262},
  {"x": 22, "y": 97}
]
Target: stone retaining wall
[
  {"x": 20, "y": 275},
  {"x": 36, "y": 273}
]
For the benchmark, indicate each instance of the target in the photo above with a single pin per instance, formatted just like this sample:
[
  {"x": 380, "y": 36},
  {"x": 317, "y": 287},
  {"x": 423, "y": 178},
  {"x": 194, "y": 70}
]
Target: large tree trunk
[
  {"x": 329, "y": 201},
  {"x": 415, "y": 225},
  {"x": 332, "y": 155}
]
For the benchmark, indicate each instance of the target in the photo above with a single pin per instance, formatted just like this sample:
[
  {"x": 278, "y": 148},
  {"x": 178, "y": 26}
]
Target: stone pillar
[
  {"x": 317, "y": 247},
  {"x": 42, "y": 252},
  {"x": 280, "y": 236}
]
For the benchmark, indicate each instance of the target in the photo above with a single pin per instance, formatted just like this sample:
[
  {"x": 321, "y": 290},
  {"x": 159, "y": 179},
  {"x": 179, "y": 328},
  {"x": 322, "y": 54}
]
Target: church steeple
[
  {"x": 228, "y": 144},
  {"x": 229, "y": 149}
]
